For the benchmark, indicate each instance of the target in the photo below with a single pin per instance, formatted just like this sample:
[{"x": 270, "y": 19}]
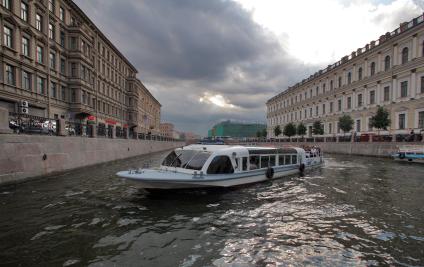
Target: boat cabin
[{"x": 209, "y": 159}]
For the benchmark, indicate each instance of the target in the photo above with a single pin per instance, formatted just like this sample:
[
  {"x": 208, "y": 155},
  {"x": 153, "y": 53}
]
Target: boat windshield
[{"x": 188, "y": 159}]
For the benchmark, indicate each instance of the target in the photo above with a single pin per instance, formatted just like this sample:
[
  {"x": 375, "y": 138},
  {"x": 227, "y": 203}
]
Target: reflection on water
[{"x": 354, "y": 211}]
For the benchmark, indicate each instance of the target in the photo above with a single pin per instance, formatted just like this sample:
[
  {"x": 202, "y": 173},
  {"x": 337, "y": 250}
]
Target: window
[
  {"x": 25, "y": 46},
  {"x": 6, "y": 4},
  {"x": 331, "y": 107},
  {"x": 24, "y": 11},
  {"x": 51, "y": 31},
  {"x": 62, "y": 38},
  {"x": 63, "y": 66},
  {"x": 331, "y": 85},
  {"x": 422, "y": 85},
  {"x": 62, "y": 14},
  {"x": 339, "y": 105},
  {"x": 360, "y": 74},
  {"x": 40, "y": 54},
  {"x": 254, "y": 162},
  {"x": 340, "y": 81},
  {"x": 372, "y": 97},
  {"x": 38, "y": 22},
  {"x": 74, "y": 97},
  {"x": 63, "y": 93},
  {"x": 349, "y": 78},
  {"x": 372, "y": 68},
  {"x": 26, "y": 80},
  {"x": 358, "y": 125},
  {"x": 40, "y": 85},
  {"x": 265, "y": 162},
  {"x": 317, "y": 90},
  {"x": 73, "y": 43},
  {"x": 10, "y": 75},
  {"x": 74, "y": 69},
  {"x": 53, "y": 90},
  {"x": 330, "y": 128},
  {"x": 323, "y": 108},
  {"x": 51, "y": 5},
  {"x": 323, "y": 87},
  {"x": 52, "y": 60},
  {"x": 294, "y": 159},
  {"x": 349, "y": 102},
  {"x": 404, "y": 89},
  {"x": 387, "y": 63},
  {"x": 360, "y": 100},
  {"x": 244, "y": 164},
  {"x": 386, "y": 93},
  {"x": 220, "y": 165},
  {"x": 405, "y": 51},
  {"x": 7, "y": 36},
  {"x": 402, "y": 121},
  {"x": 421, "y": 119},
  {"x": 287, "y": 159},
  {"x": 316, "y": 110}
]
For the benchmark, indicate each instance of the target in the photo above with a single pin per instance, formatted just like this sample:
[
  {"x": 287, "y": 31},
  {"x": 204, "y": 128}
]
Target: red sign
[
  {"x": 91, "y": 118},
  {"x": 109, "y": 121},
  {"x": 125, "y": 125}
]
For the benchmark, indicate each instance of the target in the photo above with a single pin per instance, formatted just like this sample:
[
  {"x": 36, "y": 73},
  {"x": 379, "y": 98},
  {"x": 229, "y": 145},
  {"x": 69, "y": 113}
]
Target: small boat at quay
[
  {"x": 411, "y": 153},
  {"x": 201, "y": 166}
]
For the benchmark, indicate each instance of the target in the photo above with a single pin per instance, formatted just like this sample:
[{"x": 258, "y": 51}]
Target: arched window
[
  {"x": 349, "y": 77},
  {"x": 405, "y": 51},
  {"x": 372, "y": 68},
  {"x": 359, "y": 74},
  {"x": 387, "y": 63}
]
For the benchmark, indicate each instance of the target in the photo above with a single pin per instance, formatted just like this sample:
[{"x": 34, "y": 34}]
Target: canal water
[{"x": 354, "y": 211}]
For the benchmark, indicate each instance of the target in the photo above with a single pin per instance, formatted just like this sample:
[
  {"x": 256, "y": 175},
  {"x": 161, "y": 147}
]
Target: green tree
[
  {"x": 346, "y": 123},
  {"x": 277, "y": 131},
  {"x": 264, "y": 134},
  {"x": 381, "y": 119},
  {"x": 301, "y": 129},
  {"x": 289, "y": 130},
  {"x": 317, "y": 128},
  {"x": 258, "y": 134}
]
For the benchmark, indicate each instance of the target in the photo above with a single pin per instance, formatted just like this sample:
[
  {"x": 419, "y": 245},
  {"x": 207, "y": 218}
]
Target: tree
[
  {"x": 277, "y": 131},
  {"x": 301, "y": 129},
  {"x": 263, "y": 132},
  {"x": 345, "y": 123},
  {"x": 258, "y": 134},
  {"x": 289, "y": 130},
  {"x": 317, "y": 128},
  {"x": 380, "y": 120}
]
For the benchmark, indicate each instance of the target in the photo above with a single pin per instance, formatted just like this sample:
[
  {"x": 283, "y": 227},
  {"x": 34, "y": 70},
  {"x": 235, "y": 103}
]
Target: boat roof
[{"x": 237, "y": 148}]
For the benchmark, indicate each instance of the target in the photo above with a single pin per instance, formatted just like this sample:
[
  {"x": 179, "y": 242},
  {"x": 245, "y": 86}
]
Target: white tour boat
[{"x": 197, "y": 166}]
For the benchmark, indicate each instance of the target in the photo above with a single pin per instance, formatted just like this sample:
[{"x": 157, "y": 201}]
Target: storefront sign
[
  {"x": 91, "y": 118},
  {"x": 109, "y": 121}
]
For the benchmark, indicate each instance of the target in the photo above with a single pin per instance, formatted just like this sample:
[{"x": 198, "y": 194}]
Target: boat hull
[{"x": 169, "y": 180}]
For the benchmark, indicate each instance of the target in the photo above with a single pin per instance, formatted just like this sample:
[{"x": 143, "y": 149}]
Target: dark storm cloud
[{"x": 185, "y": 48}]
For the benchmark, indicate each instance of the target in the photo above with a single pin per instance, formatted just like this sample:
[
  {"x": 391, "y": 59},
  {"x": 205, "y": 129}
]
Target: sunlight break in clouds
[
  {"x": 216, "y": 99},
  {"x": 321, "y": 32}
]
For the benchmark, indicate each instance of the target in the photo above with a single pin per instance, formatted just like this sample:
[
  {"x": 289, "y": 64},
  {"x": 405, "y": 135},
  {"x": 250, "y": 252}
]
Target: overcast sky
[{"x": 212, "y": 60}]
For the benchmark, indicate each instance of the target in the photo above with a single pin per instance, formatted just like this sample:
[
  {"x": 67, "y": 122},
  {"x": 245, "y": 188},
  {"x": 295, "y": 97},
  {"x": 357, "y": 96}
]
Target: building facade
[
  {"x": 388, "y": 72},
  {"x": 167, "y": 129},
  {"x": 235, "y": 129},
  {"x": 54, "y": 57}
]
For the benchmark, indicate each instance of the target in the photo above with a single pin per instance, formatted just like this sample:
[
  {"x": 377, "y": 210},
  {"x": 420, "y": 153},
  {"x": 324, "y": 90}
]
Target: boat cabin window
[
  {"x": 254, "y": 162},
  {"x": 244, "y": 164},
  {"x": 197, "y": 162},
  {"x": 189, "y": 159},
  {"x": 280, "y": 160},
  {"x": 264, "y": 161},
  {"x": 287, "y": 160},
  {"x": 294, "y": 159},
  {"x": 220, "y": 165},
  {"x": 272, "y": 160}
]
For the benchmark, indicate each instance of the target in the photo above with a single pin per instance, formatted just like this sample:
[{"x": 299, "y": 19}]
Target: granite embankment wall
[
  {"x": 376, "y": 149},
  {"x": 26, "y": 156}
]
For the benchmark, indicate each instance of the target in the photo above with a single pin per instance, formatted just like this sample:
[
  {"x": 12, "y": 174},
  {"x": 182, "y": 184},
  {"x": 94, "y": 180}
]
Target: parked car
[{"x": 15, "y": 126}]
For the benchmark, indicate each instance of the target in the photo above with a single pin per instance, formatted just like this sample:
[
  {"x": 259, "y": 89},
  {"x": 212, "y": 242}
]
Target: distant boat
[
  {"x": 411, "y": 153},
  {"x": 200, "y": 166}
]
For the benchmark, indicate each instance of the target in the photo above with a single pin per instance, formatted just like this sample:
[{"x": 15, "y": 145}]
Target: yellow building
[{"x": 388, "y": 72}]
